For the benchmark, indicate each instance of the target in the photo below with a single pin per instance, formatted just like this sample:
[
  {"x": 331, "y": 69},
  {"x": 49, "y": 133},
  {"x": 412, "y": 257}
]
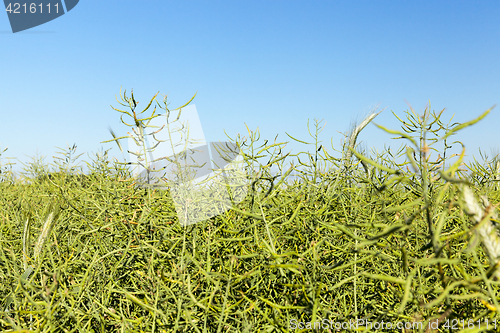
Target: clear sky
[{"x": 269, "y": 64}]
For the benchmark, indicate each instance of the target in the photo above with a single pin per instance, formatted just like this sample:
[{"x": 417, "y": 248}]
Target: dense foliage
[{"x": 389, "y": 237}]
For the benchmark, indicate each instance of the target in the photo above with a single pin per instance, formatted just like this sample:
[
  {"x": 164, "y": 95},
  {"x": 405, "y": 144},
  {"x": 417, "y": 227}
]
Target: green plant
[
  {"x": 140, "y": 137},
  {"x": 398, "y": 237},
  {"x": 435, "y": 198},
  {"x": 32, "y": 263},
  {"x": 486, "y": 173},
  {"x": 6, "y": 174}
]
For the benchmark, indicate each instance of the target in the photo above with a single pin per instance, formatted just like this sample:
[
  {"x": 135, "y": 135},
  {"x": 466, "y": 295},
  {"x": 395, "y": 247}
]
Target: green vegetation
[{"x": 393, "y": 237}]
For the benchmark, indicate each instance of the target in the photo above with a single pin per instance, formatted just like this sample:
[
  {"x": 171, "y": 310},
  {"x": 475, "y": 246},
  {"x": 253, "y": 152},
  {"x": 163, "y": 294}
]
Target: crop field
[{"x": 383, "y": 238}]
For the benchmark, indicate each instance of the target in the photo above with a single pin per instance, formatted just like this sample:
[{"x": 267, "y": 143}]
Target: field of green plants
[{"x": 408, "y": 236}]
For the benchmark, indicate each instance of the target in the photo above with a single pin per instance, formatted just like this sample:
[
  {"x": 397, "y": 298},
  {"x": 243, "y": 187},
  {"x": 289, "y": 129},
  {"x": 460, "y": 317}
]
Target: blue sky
[{"x": 269, "y": 64}]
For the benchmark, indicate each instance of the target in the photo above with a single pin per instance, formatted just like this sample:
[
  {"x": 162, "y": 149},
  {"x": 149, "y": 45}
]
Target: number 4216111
[
  {"x": 456, "y": 324},
  {"x": 33, "y": 8}
]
